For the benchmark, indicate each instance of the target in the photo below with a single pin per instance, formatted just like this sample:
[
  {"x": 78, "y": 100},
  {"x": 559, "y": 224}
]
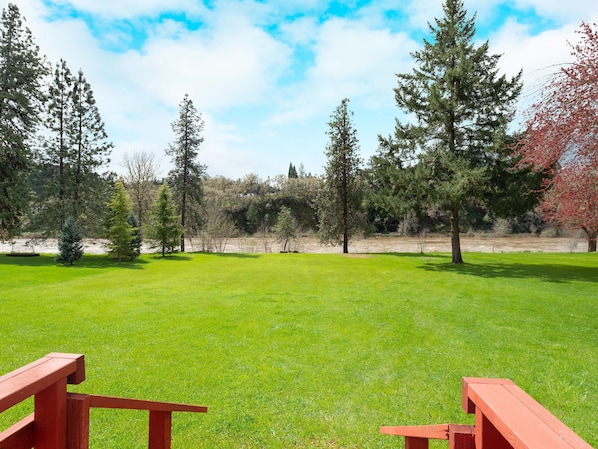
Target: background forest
[{"x": 466, "y": 174}]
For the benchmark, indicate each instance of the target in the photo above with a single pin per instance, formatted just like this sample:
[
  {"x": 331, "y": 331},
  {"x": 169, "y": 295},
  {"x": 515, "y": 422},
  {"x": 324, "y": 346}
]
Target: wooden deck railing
[
  {"x": 61, "y": 420},
  {"x": 506, "y": 417}
]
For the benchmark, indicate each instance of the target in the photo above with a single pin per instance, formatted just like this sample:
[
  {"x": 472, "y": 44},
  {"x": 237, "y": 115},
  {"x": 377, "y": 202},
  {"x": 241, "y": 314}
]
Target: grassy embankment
[{"x": 308, "y": 351}]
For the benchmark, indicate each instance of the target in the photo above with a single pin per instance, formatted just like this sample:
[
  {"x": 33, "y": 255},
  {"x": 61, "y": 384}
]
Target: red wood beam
[
  {"x": 437, "y": 432},
  {"x": 18, "y": 436},
  {"x": 37, "y": 376},
  {"x": 98, "y": 401}
]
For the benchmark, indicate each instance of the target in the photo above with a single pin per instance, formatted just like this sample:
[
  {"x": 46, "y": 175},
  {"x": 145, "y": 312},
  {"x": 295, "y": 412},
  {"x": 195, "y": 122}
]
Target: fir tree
[
  {"x": 70, "y": 244},
  {"x": 339, "y": 203},
  {"x": 119, "y": 232},
  {"x": 461, "y": 108},
  {"x": 21, "y": 72},
  {"x": 90, "y": 150},
  {"x": 136, "y": 238},
  {"x": 165, "y": 230}
]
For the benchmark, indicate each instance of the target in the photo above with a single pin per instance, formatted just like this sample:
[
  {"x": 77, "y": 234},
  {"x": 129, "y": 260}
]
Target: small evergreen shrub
[{"x": 70, "y": 243}]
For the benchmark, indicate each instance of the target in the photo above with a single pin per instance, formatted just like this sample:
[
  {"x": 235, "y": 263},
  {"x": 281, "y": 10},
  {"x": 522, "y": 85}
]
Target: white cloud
[
  {"x": 564, "y": 11},
  {"x": 230, "y": 65},
  {"x": 119, "y": 9},
  {"x": 351, "y": 61}
]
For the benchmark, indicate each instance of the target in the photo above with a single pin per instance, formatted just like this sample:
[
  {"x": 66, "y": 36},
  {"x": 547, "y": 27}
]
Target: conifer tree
[
  {"x": 461, "y": 108},
  {"x": 21, "y": 72},
  {"x": 186, "y": 176},
  {"x": 90, "y": 148},
  {"x": 54, "y": 196},
  {"x": 119, "y": 231},
  {"x": 339, "y": 203},
  {"x": 165, "y": 230},
  {"x": 70, "y": 243},
  {"x": 136, "y": 237}
]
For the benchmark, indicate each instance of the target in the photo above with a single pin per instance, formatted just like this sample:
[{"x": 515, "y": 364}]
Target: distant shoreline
[{"x": 375, "y": 244}]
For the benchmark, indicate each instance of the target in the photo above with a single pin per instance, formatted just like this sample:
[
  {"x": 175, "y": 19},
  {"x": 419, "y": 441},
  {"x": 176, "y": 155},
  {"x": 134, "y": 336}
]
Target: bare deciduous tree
[{"x": 141, "y": 180}]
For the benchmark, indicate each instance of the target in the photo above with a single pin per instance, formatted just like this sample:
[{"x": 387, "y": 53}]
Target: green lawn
[{"x": 308, "y": 351}]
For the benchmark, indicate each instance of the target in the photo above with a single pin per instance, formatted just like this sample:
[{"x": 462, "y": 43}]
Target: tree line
[{"x": 455, "y": 165}]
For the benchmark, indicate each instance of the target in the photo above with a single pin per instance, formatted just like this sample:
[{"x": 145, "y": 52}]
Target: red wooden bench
[
  {"x": 506, "y": 417},
  {"x": 60, "y": 419}
]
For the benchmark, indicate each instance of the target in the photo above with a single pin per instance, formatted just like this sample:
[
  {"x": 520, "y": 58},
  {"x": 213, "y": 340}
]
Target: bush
[{"x": 70, "y": 244}]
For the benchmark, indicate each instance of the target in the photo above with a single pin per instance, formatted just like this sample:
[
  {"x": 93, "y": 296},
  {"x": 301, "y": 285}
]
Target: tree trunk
[
  {"x": 592, "y": 241},
  {"x": 345, "y": 243},
  {"x": 455, "y": 239}
]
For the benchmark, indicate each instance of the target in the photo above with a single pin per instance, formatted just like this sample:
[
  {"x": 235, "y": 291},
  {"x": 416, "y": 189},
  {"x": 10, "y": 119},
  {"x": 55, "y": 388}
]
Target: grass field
[{"x": 308, "y": 351}]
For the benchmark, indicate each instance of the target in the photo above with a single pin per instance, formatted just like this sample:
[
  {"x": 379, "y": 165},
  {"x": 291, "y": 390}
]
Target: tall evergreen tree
[
  {"x": 340, "y": 202},
  {"x": 91, "y": 150},
  {"x": 165, "y": 229},
  {"x": 21, "y": 72},
  {"x": 70, "y": 243},
  {"x": 186, "y": 176},
  {"x": 119, "y": 231},
  {"x": 461, "y": 108},
  {"x": 54, "y": 199}
]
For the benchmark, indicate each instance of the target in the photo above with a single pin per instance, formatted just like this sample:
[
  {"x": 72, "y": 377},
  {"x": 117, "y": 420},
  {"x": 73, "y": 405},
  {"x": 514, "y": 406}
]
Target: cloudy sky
[{"x": 266, "y": 75}]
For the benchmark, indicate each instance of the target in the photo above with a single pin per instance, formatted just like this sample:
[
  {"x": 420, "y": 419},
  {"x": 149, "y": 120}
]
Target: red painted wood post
[
  {"x": 416, "y": 443},
  {"x": 461, "y": 437},
  {"x": 77, "y": 421},
  {"x": 50, "y": 417},
  {"x": 487, "y": 436},
  {"x": 160, "y": 429}
]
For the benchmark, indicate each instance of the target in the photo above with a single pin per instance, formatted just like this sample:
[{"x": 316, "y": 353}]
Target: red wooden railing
[
  {"x": 506, "y": 417},
  {"x": 61, "y": 420}
]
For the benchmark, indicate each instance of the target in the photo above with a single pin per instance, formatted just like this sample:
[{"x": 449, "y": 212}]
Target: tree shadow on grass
[
  {"x": 558, "y": 273},
  {"x": 173, "y": 257},
  {"x": 232, "y": 255},
  {"x": 87, "y": 261}
]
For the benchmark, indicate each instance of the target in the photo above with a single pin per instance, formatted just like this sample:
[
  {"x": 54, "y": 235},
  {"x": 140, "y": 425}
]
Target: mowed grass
[{"x": 308, "y": 351}]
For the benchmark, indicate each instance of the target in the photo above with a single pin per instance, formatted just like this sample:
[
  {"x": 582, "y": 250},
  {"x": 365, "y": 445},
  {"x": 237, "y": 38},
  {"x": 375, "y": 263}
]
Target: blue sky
[{"x": 267, "y": 75}]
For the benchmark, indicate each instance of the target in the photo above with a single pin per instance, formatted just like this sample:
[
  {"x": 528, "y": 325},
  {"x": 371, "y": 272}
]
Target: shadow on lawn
[
  {"x": 87, "y": 261},
  {"x": 548, "y": 272}
]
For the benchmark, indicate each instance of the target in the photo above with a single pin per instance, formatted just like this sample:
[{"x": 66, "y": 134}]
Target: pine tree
[
  {"x": 339, "y": 204},
  {"x": 70, "y": 243},
  {"x": 21, "y": 72},
  {"x": 119, "y": 232},
  {"x": 54, "y": 189},
  {"x": 136, "y": 237},
  {"x": 186, "y": 176},
  {"x": 90, "y": 150},
  {"x": 461, "y": 108},
  {"x": 165, "y": 230},
  {"x": 292, "y": 172}
]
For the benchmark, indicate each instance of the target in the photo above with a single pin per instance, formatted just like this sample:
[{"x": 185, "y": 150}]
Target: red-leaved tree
[{"x": 561, "y": 139}]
